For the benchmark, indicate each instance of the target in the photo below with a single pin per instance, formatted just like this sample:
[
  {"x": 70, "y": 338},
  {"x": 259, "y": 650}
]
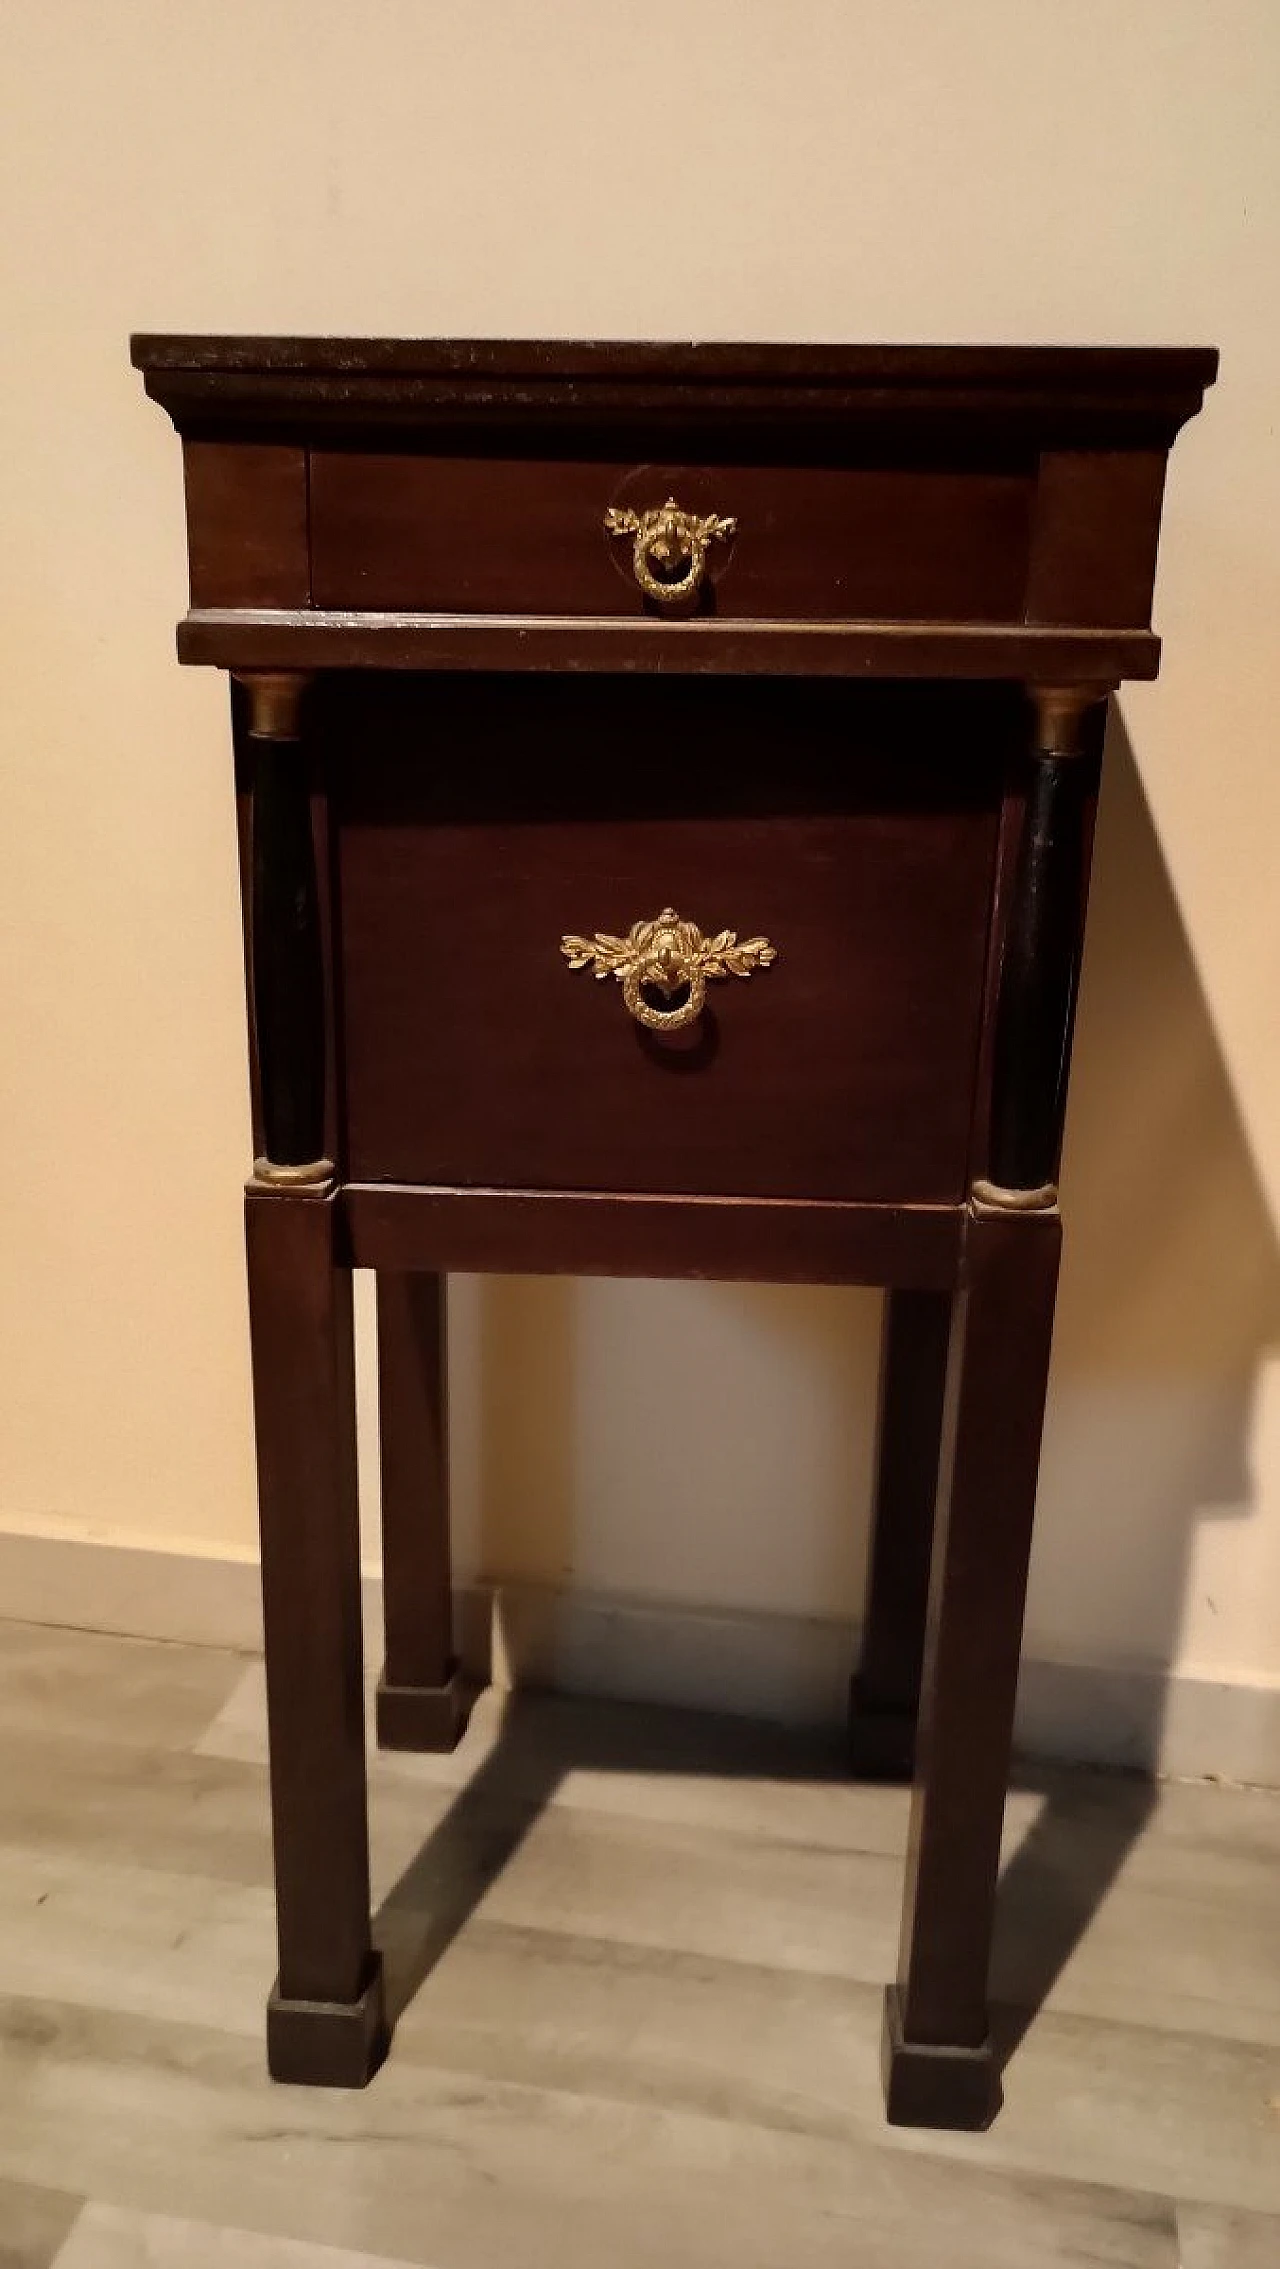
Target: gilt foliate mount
[{"x": 668, "y": 956}]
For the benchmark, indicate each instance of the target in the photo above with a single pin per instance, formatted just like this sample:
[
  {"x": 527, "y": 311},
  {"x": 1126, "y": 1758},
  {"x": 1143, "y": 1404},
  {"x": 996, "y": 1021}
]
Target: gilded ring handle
[
  {"x": 665, "y": 1019},
  {"x": 666, "y": 955},
  {"x": 669, "y": 552}
]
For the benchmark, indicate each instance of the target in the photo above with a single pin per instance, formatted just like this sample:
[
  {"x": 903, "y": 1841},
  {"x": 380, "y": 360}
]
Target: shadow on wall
[
  {"x": 711, "y": 1445},
  {"x": 1169, "y": 1307}
]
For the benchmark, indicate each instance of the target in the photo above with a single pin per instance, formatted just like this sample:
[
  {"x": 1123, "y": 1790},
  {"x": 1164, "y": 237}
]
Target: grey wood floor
[{"x": 639, "y": 1957}]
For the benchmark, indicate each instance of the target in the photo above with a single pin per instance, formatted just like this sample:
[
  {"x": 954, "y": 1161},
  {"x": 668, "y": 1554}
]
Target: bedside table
[{"x": 666, "y": 779}]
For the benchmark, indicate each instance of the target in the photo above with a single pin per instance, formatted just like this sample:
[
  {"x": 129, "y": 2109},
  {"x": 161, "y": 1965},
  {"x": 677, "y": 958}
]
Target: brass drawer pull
[
  {"x": 667, "y": 955},
  {"x": 669, "y": 555}
]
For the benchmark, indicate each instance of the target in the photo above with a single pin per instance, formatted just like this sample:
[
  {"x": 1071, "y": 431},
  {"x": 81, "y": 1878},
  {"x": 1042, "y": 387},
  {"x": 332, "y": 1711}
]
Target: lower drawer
[{"x": 481, "y": 823}]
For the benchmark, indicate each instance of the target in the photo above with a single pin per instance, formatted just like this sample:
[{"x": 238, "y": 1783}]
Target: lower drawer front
[{"x": 474, "y": 1053}]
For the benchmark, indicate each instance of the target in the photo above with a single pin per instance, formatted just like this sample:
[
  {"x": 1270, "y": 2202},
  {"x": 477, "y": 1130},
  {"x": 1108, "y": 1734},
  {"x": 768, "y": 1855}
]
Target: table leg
[
  {"x": 939, "y": 2065},
  {"x": 885, "y": 1694},
  {"x": 325, "y": 2021},
  {"x": 423, "y": 1700}
]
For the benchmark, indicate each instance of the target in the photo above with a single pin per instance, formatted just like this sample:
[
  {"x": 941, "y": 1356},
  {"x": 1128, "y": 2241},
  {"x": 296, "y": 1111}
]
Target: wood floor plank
[
  {"x": 664, "y": 1765},
  {"x": 110, "y": 1800},
  {"x": 1086, "y": 2100},
  {"x": 785, "y": 1785},
  {"x": 33, "y": 2223},
  {"x": 92, "y": 1685},
  {"x": 107, "y": 2237},
  {"x": 796, "y": 2052},
  {"x": 430, "y": 2168},
  {"x": 704, "y": 2030},
  {"x": 1212, "y": 2237},
  {"x": 142, "y": 1941},
  {"x": 648, "y": 1952},
  {"x": 1188, "y": 1945},
  {"x": 1107, "y": 1907},
  {"x": 1173, "y": 2112},
  {"x": 785, "y": 1905}
]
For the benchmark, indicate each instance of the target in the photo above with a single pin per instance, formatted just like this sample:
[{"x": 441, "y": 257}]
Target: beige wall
[{"x": 1015, "y": 170}]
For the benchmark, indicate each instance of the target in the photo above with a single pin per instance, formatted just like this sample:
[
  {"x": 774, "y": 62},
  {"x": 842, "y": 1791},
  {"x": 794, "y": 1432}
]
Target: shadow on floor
[
  {"x": 541, "y": 1741},
  {"x": 1053, "y": 1884}
]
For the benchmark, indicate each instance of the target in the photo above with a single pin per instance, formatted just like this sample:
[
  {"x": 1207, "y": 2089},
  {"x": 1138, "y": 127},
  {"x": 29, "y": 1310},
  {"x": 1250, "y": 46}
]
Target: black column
[
  {"x": 1041, "y": 954},
  {"x": 287, "y": 956}
]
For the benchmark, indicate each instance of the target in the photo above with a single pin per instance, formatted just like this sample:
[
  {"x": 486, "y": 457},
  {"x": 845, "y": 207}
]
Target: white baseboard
[{"x": 788, "y": 1667}]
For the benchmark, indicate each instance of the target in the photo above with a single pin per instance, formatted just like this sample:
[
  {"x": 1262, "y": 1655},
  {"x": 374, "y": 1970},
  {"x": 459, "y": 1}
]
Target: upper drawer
[
  {"x": 513, "y": 535},
  {"x": 896, "y": 511}
]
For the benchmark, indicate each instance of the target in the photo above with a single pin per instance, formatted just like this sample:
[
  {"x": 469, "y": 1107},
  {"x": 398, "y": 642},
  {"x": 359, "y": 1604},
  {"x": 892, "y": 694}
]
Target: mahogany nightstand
[{"x": 764, "y": 687}]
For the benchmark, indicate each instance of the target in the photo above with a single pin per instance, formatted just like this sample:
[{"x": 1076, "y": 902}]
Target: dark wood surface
[
  {"x": 621, "y": 1233},
  {"x": 287, "y": 954},
  {"x": 304, "y": 1415},
  {"x": 503, "y": 744},
  {"x": 1003, "y": 898},
  {"x": 244, "y": 763},
  {"x": 248, "y": 541},
  {"x": 1039, "y": 970},
  {"x": 415, "y": 1479},
  {"x": 271, "y": 639},
  {"x": 996, "y": 509},
  {"x": 422, "y": 1697},
  {"x": 997, "y": 1379},
  {"x": 1038, "y": 910},
  {"x": 1093, "y": 552},
  {"x": 494, "y": 535},
  {"x": 885, "y": 1695},
  {"x": 856, "y": 833},
  {"x": 1135, "y": 395}
]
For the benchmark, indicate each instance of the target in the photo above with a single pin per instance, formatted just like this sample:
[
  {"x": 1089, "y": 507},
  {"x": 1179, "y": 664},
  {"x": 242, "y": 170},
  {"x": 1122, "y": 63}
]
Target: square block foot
[
  {"x": 423, "y": 1717},
  {"x": 929, "y": 2085},
  {"x": 328, "y": 2044},
  {"x": 882, "y": 1743}
]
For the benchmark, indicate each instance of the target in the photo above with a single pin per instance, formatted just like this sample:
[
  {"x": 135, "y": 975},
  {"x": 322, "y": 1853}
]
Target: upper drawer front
[{"x": 506, "y": 535}]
